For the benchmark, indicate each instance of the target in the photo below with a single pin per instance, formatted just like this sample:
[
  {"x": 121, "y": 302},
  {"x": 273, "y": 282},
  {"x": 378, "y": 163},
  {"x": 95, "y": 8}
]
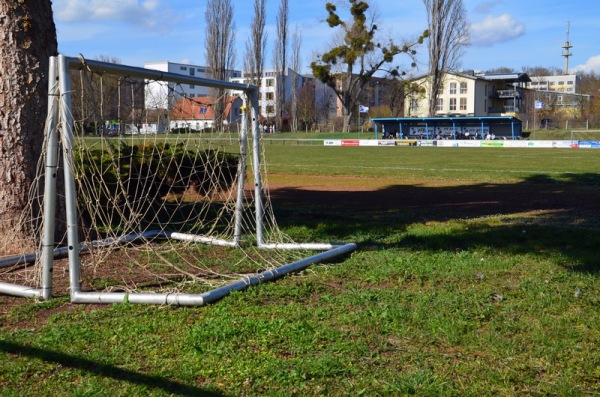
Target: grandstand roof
[{"x": 461, "y": 119}]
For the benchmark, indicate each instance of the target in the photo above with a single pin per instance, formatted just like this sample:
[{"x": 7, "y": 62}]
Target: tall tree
[
  {"x": 281, "y": 47},
  {"x": 348, "y": 66},
  {"x": 448, "y": 36},
  {"x": 296, "y": 65},
  {"x": 307, "y": 106},
  {"x": 220, "y": 49},
  {"x": 254, "y": 59},
  {"x": 27, "y": 40}
]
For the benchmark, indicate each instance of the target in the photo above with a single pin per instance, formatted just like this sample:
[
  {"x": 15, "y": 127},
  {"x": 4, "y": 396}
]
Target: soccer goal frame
[{"x": 59, "y": 132}]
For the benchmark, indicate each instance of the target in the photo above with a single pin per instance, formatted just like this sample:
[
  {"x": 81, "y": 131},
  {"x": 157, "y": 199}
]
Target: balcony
[
  {"x": 496, "y": 109},
  {"x": 508, "y": 94}
]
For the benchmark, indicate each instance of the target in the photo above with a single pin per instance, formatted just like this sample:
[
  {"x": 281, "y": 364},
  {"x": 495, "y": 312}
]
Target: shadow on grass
[
  {"x": 543, "y": 214},
  {"x": 104, "y": 370}
]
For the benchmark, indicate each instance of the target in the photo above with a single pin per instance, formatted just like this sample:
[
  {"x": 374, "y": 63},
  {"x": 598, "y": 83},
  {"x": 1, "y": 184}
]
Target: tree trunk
[
  {"x": 347, "y": 118},
  {"x": 27, "y": 40}
]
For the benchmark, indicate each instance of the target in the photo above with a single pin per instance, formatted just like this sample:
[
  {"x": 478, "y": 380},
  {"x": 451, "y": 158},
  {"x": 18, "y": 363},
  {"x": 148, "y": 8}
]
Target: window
[
  {"x": 463, "y": 88},
  {"x": 192, "y": 86},
  {"x": 270, "y": 109},
  {"x": 203, "y": 110},
  {"x": 453, "y": 104},
  {"x": 414, "y": 104},
  {"x": 463, "y": 103},
  {"x": 183, "y": 68},
  {"x": 259, "y": 96},
  {"x": 270, "y": 96},
  {"x": 270, "y": 82},
  {"x": 570, "y": 82},
  {"x": 453, "y": 90},
  {"x": 439, "y": 104},
  {"x": 192, "y": 72}
]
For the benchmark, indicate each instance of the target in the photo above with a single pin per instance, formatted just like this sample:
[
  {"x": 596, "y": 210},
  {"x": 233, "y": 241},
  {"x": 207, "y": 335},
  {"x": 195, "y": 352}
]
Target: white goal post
[{"x": 143, "y": 205}]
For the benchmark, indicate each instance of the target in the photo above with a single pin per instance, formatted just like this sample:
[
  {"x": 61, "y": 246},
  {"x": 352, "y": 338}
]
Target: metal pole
[
  {"x": 454, "y": 128},
  {"x": 210, "y": 296},
  {"x": 534, "y": 111},
  {"x": 239, "y": 203},
  {"x": 68, "y": 142},
  {"x": 258, "y": 204},
  {"x": 482, "y": 129},
  {"x": 47, "y": 256},
  {"x": 512, "y": 127}
]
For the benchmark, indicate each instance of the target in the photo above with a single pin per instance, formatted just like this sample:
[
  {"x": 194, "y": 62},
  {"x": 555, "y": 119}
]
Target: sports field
[{"x": 477, "y": 273}]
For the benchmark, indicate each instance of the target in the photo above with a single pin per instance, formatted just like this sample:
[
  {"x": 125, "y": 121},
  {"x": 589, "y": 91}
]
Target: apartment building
[
  {"x": 470, "y": 94},
  {"x": 163, "y": 95},
  {"x": 566, "y": 83},
  {"x": 267, "y": 95}
]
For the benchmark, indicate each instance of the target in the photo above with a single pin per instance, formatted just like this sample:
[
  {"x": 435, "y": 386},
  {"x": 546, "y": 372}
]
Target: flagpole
[
  {"x": 358, "y": 121},
  {"x": 534, "y": 112}
]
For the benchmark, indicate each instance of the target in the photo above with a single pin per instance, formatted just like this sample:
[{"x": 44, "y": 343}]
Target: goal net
[{"x": 155, "y": 191}]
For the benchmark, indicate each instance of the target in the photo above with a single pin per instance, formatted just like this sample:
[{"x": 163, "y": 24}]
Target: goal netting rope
[{"x": 164, "y": 190}]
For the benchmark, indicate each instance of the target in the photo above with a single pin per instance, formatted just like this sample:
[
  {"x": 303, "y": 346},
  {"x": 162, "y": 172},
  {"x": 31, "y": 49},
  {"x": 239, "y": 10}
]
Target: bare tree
[
  {"x": 280, "y": 61},
  {"x": 254, "y": 61},
  {"x": 220, "y": 49},
  {"x": 296, "y": 65},
  {"x": 448, "y": 36},
  {"x": 348, "y": 67},
  {"x": 28, "y": 38}
]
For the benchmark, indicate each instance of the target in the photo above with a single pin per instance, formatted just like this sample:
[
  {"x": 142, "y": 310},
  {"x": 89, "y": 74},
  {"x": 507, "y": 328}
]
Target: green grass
[
  {"x": 452, "y": 164},
  {"x": 464, "y": 304}
]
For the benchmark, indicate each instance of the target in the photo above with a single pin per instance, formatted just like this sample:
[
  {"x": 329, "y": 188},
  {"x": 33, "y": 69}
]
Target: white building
[
  {"x": 566, "y": 83},
  {"x": 267, "y": 96},
  {"x": 470, "y": 94},
  {"x": 162, "y": 95}
]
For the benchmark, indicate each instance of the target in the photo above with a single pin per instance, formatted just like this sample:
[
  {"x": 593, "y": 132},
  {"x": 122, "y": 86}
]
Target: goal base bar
[{"x": 178, "y": 299}]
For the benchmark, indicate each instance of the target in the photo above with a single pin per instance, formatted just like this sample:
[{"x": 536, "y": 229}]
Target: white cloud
[
  {"x": 145, "y": 13},
  {"x": 592, "y": 65},
  {"x": 495, "y": 30}
]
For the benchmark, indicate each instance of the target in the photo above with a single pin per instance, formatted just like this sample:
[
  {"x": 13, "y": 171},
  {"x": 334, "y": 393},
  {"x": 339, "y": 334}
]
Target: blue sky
[{"x": 511, "y": 33}]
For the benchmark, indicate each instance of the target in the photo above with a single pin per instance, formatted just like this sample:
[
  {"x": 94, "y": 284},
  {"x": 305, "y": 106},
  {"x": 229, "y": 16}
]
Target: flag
[
  {"x": 539, "y": 104},
  {"x": 363, "y": 109}
]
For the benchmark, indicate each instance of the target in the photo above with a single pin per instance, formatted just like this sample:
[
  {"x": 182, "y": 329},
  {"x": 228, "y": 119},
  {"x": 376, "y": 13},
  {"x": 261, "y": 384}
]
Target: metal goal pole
[
  {"x": 68, "y": 144},
  {"x": 47, "y": 258}
]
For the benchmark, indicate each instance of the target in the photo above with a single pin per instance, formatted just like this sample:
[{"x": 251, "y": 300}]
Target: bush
[{"x": 148, "y": 174}]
